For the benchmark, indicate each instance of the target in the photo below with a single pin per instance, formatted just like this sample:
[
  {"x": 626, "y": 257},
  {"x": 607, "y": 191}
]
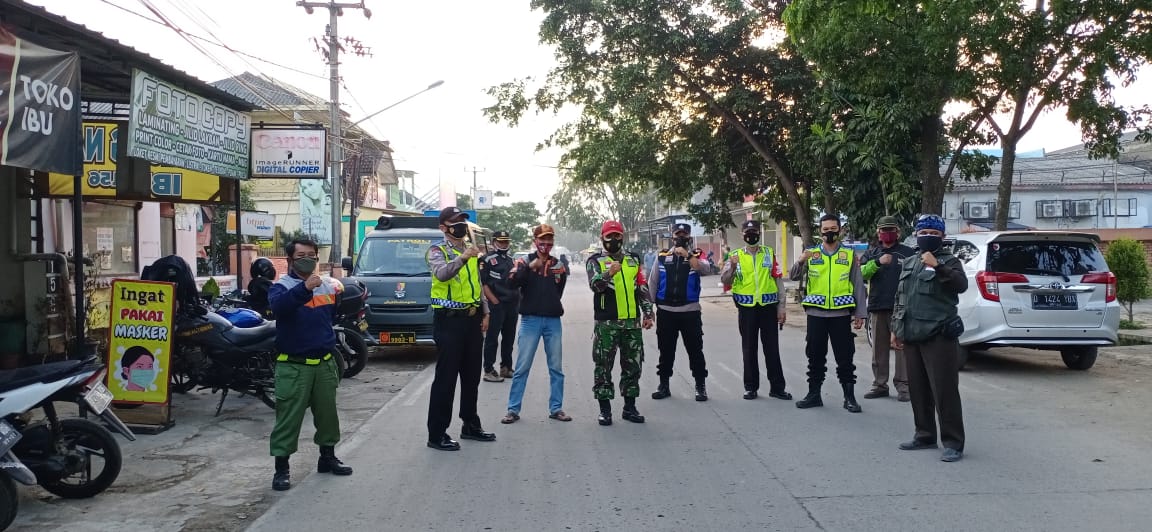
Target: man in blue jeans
[{"x": 541, "y": 279}]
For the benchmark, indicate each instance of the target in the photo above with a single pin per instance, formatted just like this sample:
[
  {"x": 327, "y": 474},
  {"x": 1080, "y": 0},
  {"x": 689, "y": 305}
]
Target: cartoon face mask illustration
[{"x": 138, "y": 368}]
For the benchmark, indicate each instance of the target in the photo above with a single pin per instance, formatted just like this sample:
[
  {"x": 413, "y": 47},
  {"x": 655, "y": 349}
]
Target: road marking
[
  {"x": 725, "y": 367},
  {"x": 419, "y": 389}
]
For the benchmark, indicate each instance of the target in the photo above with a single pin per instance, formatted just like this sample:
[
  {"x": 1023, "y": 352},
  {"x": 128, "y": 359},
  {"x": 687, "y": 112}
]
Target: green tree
[
  {"x": 1126, "y": 259},
  {"x": 219, "y": 255},
  {"x": 1051, "y": 54},
  {"x": 583, "y": 207},
  {"x": 517, "y": 218},
  {"x": 676, "y": 94}
]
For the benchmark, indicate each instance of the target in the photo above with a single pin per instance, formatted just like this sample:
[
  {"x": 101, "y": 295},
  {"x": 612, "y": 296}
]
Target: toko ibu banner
[
  {"x": 140, "y": 341},
  {"x": 39, "y": 107},
  {"x": 174, "y": 127},
  {"x": 289, "y": 152}
]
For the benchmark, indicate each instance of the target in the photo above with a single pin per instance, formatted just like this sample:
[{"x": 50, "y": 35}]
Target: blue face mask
[{"x": 142, "y": 377}]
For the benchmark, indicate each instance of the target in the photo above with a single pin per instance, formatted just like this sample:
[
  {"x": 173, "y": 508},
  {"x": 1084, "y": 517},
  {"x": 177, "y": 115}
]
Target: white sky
[{"x": 469, "y": 44}]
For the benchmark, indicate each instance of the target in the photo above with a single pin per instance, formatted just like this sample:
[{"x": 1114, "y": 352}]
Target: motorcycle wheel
[
  {"x": 354, "y": 351},
  {"x": 9, "y": 501},
  {"x": 93, "y": 441}
]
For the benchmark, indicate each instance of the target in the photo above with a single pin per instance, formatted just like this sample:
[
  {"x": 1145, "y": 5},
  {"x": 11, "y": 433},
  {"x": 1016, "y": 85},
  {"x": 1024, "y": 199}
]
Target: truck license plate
[
  {"x": 98, "y": 398},
  {"x": 397, "y": 338}
]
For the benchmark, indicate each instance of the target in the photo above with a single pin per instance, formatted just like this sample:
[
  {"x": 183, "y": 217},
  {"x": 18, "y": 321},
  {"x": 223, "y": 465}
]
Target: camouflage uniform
[{"x": 612, "y": 333}]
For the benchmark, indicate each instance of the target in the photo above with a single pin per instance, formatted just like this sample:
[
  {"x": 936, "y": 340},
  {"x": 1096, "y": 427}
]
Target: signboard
[
  {"x": 174, "y": 127},
  {"x": 257, "y": 224},
  {"x": 140, "y": 346},
  {"x": 316, "y": 209},
  {"x": 289, "y": 152},
  {"x": 39, "y": 106},
  {"x": 101, "y": 149},
  {"x": 483, "y": 200}
]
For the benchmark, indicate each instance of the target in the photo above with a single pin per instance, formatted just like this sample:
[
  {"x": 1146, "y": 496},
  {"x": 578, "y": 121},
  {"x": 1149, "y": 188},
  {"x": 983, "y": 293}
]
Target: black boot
[
  {"x": 850, "y": 403},
  {"x": 605, "y": 417},
  {"x": 281, "y": 480},
  {"x": 662, "y": 390},
  {"x": 328, "y": 463},
  {"x": 701, "y": 392},
  {"x": 812, "y": 399},
  {"x": 630, "y": 413}
]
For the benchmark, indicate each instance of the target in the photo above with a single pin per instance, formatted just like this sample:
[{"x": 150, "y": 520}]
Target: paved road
[{"x": 1048, "y": 449}]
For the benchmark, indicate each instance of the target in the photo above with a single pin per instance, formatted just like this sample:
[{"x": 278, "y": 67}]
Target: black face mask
[
  {"x": 613, "y": 245},
  {"x": 458, "y": 230},
  {"x": 752, "y": 238},
  {"x": 681, "y": 241},
  {"x": 501, "y": 252},
  {"x": 929, "y": 243},
  {"x": 830, "y": 236}
]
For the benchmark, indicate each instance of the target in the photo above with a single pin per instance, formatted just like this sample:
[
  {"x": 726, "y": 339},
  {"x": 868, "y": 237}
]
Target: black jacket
[
  {"x": 540, "y": 294},
  {"x": 882, "y": 285},
  {"x": 494, "y": 274}
]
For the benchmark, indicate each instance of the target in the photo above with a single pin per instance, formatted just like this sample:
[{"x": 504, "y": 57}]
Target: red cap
[{"x": 611, "y": 226}]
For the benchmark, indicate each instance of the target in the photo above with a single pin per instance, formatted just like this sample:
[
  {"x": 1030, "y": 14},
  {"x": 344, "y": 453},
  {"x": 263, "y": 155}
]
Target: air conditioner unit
[
  {"x": 976, "y": 211},
  {"x": 1051, "y": 210},
  {"x": 1083, "y": 208}
]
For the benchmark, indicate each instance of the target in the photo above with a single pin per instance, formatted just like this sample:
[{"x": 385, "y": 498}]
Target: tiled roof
[
  {"x": 265, "y": 91},
  {"x": 1062, "y": 171}
]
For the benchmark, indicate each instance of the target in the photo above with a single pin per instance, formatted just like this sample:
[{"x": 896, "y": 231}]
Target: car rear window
[{"x": 1046, "y": 258}]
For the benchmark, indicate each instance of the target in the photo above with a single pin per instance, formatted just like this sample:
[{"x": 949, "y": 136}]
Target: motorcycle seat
[
  {"x": 251, "y": 335},
  {"x": 18, "y": 378}
]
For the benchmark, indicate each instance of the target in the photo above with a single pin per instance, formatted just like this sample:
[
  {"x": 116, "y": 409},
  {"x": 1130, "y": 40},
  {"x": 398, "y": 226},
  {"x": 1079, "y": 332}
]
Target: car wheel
[
  {"x": 962, "y": 353},
  {"x": 1079, "y": 358}
]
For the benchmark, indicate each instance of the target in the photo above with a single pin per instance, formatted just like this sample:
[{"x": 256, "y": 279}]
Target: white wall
[{"x": 955, "y": 200}]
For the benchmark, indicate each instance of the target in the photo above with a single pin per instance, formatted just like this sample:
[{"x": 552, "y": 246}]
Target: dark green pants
[
  {"x": 298, "y": 388},
  {"x": 628, "y": 337}
]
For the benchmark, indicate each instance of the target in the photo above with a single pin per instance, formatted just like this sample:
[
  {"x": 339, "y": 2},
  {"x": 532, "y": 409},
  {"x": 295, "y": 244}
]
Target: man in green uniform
[
  {"x": 620, "y": 298},
  {"x": 306, "y": 376}
]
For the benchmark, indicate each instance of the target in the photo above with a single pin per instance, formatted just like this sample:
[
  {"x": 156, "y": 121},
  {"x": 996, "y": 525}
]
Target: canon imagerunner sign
[{"x": 289, "y": 152}]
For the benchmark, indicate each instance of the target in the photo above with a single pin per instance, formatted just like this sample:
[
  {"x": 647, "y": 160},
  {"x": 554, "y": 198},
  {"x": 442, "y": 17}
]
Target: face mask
[
  {"x": 887, "y": 237},
  {"x": 458, "y": 230},
  {"x": 752, "y": 238},
  {"x": 830, "y": 236},
  {"x": 681, "y": 241},
  {"x": 500, "y": 251},
  {"x": 304, "y": 266},
  {"x": 142, "y": 377},
  {"x": 613, "y": 245},
  {"x": 544, "y": 248},
  {"x": 929, "y": 243}
]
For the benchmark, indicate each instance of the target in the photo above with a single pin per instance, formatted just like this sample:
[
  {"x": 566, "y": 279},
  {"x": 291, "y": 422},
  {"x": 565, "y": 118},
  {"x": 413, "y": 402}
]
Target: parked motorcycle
[
  {"x": 210, "y": 352},
  {"x": 73, "y": 458}
]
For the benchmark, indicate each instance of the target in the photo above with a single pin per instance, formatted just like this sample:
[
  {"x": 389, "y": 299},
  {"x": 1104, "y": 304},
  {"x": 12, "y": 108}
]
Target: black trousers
[
  {"x": 686, "y": 325},
  {"x": 761, "y": 324},
  {"x": 459, "y": 345},
  {"x": 838, "y": 330},
  {"x": 934, "y": 384},
  {"x": 501, "y": 332}
]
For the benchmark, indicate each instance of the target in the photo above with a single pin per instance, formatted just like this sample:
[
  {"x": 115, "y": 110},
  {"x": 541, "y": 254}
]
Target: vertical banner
[
  {"x": 316, "y": 210},
  {"x": 39, "y": 107},
  {"x": 140, "y": 346}
]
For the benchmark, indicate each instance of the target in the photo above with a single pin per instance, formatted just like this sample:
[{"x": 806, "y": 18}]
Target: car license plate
[
  {"x": 1054, "y": 302},
  {"x": 8, "y": 436},
  {"x": 363, "y": 326},
  {"x": 397, "y": 338},
  {"x": 99, "y": 397}
]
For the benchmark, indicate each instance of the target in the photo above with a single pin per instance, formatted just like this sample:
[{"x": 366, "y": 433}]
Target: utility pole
[
  {"x": 474, "y": 172},
  {"x": 335, "y": 136}
]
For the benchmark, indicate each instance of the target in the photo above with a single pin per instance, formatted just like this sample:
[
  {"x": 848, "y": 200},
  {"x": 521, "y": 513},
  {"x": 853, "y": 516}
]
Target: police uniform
[
  {"x": 619, "y": 303},
  {"x": 835, "y": 295},
  {"x": 931, "y": 346},
  {"x": 675, "y": 285},
  {"x": 758, "y": 292},
  {"x": 458, "y": 313},
  {"x": 503, "y": 314}
]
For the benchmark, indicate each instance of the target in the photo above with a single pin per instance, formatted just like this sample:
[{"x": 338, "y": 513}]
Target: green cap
[{"x": 887, "y": 221}]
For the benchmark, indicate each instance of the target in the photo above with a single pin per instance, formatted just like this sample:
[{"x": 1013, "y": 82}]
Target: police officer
[
  {"x": 675, "y": 282},
  {"x": 620, "y": 299},
  {"x": 880, "y": 267},
  {"x": 503, "y": 305},
  {"x": 460, "y": 318},
  {"x": 754, "y": 276},
  {"x": 931, "y": 283},
  {"x": 306, "y": 375},
  {"x": 834, "y": 304}
]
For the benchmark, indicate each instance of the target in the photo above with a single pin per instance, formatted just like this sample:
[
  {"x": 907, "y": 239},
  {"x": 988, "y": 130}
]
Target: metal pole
[
  {"x": 336, "y": 134},
  {"x": 79, "y": 339},
  {"x": 1115, "y": 198},
  {"x": 239, "y": 240}
]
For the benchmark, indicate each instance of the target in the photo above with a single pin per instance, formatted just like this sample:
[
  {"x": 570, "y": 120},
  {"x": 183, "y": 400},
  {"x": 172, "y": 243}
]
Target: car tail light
[
  {"x": 989, "y": 283},
  {"x": 1108, "y": 279}
]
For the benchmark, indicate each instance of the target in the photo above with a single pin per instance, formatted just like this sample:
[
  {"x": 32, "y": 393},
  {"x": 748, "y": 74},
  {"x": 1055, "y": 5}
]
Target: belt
[
  {"x": 307, "y": 361},
  {"x": 458, "y": 312}
]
